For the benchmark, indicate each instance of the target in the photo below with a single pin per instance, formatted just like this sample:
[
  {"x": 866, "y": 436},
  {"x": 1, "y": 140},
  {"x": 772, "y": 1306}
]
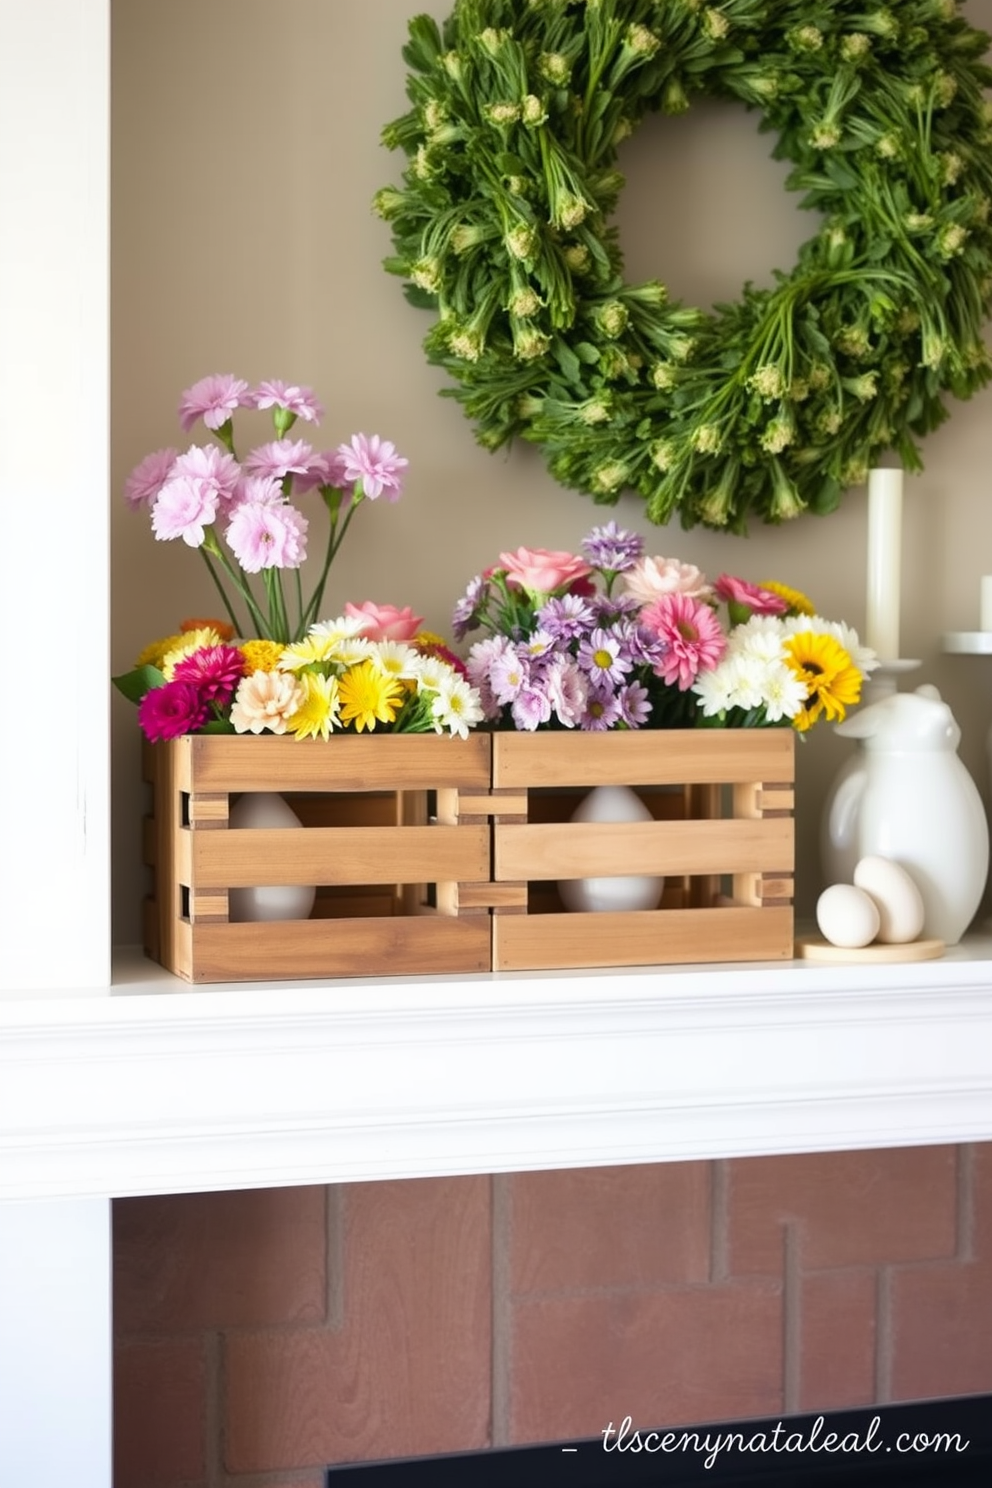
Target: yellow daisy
[
  {"x": 368, "y": 695},
  {"x": 309, "y": 652},
  {"x": 318, "y": 713},
  {"x": 261, "y": 656},
  {"x": 186, "y": 644},
  {"x": 832, "y": 681},
  {"x": 156, "y": 651},
  {"x": 794, "y": 598}
]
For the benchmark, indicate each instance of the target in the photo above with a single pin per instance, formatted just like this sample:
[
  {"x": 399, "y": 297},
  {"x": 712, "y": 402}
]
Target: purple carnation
[
  {"x": 171, "y": 710},
  {"x": 612, "y": 549},
  {"x": 566, "y": 617}
]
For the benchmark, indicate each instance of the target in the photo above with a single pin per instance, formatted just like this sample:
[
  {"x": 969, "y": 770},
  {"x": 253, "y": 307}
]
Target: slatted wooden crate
[
  {"x": 367, "y": 841},
  {"x": 723, "y": 839}
]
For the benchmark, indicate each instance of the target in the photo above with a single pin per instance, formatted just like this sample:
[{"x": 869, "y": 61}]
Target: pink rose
[
  {"x": 650, "y": 578},
  {"x": 385, "y": 622},
  {"x": 541, "y": 571},
  {"x": 741, "y": 594}
]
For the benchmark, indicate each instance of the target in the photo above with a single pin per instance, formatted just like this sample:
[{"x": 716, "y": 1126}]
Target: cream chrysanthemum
[{"x": 265, "y": 701}]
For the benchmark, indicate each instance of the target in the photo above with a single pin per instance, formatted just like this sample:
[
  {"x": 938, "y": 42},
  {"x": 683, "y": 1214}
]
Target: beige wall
[{"x": 245, "y": 154}]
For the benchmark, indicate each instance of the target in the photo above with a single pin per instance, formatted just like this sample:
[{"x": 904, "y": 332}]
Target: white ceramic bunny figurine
[{"x": 907, "y": 796}]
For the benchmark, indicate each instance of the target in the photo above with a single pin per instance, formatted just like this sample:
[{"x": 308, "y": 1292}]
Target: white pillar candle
[
  {"x": 985, "y": 611},
  {"x": 884, "y": 562}
]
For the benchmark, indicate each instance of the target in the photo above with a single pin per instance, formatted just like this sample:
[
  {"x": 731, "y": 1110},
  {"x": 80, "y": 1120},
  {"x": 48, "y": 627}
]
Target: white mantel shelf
[{"x": 156, "y": 1087}]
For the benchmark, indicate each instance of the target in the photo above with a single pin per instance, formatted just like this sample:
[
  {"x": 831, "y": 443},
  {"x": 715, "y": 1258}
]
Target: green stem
[
  {"x": 213, "y": 547},
  {"x": 334, "y": 540},
  {"x": 223, "y": 593}
]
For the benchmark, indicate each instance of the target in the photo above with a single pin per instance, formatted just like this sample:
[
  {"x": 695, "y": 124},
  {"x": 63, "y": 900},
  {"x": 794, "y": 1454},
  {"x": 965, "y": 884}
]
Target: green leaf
[{"x": 136, "y": 683}]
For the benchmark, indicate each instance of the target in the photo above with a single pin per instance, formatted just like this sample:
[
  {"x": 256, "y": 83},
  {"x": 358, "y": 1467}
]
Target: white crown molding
[{"x": 160, "y": 1088}]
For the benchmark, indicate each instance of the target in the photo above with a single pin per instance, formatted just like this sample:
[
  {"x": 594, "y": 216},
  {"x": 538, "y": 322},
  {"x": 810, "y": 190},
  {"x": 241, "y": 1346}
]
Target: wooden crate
[
  {"x": 723, "y": 838},
  {"x": 367, "y": 841}
]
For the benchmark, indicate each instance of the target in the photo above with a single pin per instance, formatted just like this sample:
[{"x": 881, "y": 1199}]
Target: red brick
[
  {"x": 941, "y": 1331},
  {"x": 850, "y": 1208},
  {"x": 409, "y": 1372},
  {"x": 159, "y": 1415},
  {"x": 599, "y": 1227},
  {"x": 837, "y": 1328},
  {"x": 667, "y": 1357},
  {"x": 981, "y": 1178},
  {"x": 219, "y": 1260}
]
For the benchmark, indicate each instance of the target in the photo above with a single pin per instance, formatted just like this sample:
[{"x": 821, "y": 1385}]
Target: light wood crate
[
  {"x": 382, "y": 906},
  {"x": 723, "y": 838}
]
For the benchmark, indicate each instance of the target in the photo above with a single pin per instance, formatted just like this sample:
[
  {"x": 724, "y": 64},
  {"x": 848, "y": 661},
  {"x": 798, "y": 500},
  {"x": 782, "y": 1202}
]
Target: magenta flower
[
  {"x": 280, "y": 457},
  {"x": 171, "y": 710},
  {"x": 692, "y": 635},
  {"x": 375, "y": 463},
  {"x": 749, "y": 596},
  {"x": 214, "y": 670},
  {"x": 296, "y": 400},
  {"x": 214, "y": 399},
  {"x": 265, "y": 534},
  {"x": 184, "y": 508},
  {"x": 215, "y": 469},
  {"x": 148, "y": 478}
]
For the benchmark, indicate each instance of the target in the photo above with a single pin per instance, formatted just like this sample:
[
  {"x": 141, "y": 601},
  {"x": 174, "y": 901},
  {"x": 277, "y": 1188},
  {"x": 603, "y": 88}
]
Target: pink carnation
[
  {"x": 214, "y": 670},
  {"x": 385, "y": 622},
  {"x": 375, "y": 463},
  {"x": 213, "y": 398},
  {"x": 749, "y": 596},
  {"x": 280, "y": 457},
  {"x": 184, "y": 508},
  {"x": 267, "y": 534},
  {"x": 147, "y": 479},
  {"x": 542, "y": 571},
  {"x": 691, "y": 633},
  {"x": 297, "y": 400},
  {"x": 171, "y": 710},
  {"x": 214, "y": 468},
  {"x": 325, "y": 469}
]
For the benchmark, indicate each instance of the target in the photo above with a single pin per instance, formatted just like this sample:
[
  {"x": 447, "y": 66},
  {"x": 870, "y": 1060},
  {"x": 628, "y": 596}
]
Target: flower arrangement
[
  {"x": 240, "y": 515},
  {"x": 618, "y": 640},
  {"x": 371, "y": 668}
]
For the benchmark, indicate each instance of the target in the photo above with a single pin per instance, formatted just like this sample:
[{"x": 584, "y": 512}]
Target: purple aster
[
  {"x": 566, "y": 617},
  {"x": 375, "y": 463},
  {"x": 611, "y": 607},
  {"x": 531, "y": 707},
  {"x": 214, "y": 670},
  {"x": 635, "y": 705},
  {"x": 214, "y": 399},
  {"x": 299, "y": 401},
  {"x": 612, "y": 549},
  {"x": 465, "y": 616},
  {"x": 148, "y": 478},
  {"x": 280, "y": 457},
  {"x": 645, "y": 646},
  {"x": 603, "y": 656},
  {"x": 602, "y": 711},
  {"x": 171, "y": 710},
  {"x": 184, "y": 508},
  {"x": 264, "y": 534}
]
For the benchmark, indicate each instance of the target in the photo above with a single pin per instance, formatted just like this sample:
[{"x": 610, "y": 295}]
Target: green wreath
[{"x": 774, "y": 404}]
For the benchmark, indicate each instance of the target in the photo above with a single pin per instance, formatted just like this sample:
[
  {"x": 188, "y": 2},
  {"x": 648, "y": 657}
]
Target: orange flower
[{"x": 225, "y": 631}]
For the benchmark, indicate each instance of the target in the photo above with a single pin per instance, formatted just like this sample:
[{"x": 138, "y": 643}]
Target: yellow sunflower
[
  {"x": 368, "y": 695},
  {"x": 794, "y": 598},
  {"x": 318, "y": 713},
  {"x": 832, "y": 681}
]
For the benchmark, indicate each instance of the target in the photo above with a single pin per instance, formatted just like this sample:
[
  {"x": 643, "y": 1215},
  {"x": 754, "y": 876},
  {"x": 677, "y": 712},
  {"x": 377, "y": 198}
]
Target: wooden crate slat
[
  {"x": 607, "y": 849},
  {"x": 642, "y": 757},
  {"x": 336, "y": 855},
  {"x": 346, "y": 762},
  {"x": 551, "y": 942},
  {"x": 392, "y": 946}
]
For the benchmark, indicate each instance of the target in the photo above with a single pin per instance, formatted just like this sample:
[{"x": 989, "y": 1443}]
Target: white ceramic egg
[
  {"x": 267, "y": 901},
  {"x": 847, "y": 916},
  {"x": 900, "y": 904},
  {"x": 611, "y": 803}
]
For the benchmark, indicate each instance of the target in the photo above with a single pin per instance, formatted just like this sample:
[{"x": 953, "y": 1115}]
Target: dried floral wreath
[{"x": 774, "y": 404}]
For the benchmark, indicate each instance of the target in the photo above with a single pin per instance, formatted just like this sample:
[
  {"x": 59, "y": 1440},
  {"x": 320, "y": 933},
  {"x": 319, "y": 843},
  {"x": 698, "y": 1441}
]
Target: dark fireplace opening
[{"x": 923, "y": 1444}]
